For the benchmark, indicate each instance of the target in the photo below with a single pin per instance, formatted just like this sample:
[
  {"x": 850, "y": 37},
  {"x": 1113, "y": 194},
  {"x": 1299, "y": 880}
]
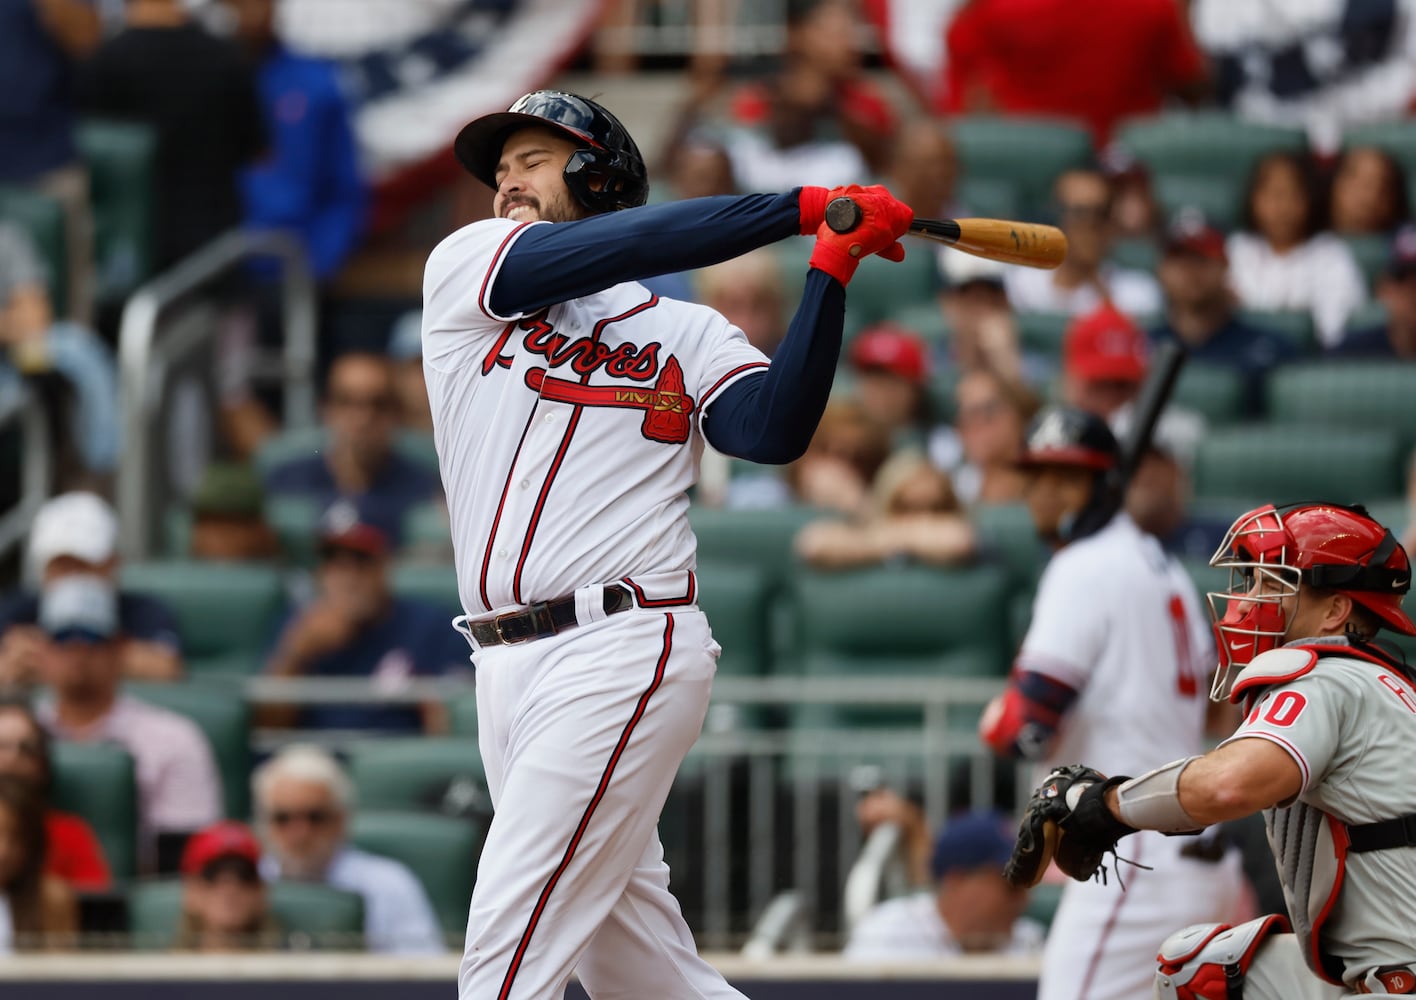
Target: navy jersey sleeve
[{"x": 554, "y": 263}]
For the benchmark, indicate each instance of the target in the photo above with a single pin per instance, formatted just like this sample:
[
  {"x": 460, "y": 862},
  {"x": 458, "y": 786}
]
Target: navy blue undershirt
[{"x": 766, "y": 416}]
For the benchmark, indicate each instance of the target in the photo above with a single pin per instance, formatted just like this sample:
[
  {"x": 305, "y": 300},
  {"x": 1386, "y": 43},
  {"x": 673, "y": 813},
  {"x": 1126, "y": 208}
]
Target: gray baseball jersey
[{"x": 1349, "y": 722}]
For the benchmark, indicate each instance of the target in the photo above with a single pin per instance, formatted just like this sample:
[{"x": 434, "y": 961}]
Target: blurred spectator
[
  {"x": 194, "y": 90},
  {"x": 309, "y": 182},
  {"x": 357, "y": 627},
  {"x": 1284, "y": 260},
  {"x": 1200, "y": 308},
  {"x": 913, "y": 515},
  {"x": 1408, "y": 537},
  {"x": 225, "y": 907},
  {"x": 1323, "y": 66},
  {"x": 304, "y": 804},
  {"x": 991, "y": 415},
  {"x": 1086, "y": 278},
  {"x": 840, "y": 463},
  {"x": 74, "y": 853},
  {"x": 1396, "y": 291},
  {"x": 35, "y": 343},
  {"x": 41, "y": 41},
  {"x": 228, "y": 516},
  {"x": 982, "y": 330},
  {"x": 817, "y": 120},
  {"x": 970, "y": 910},
  {"x": 700, "y": 167},
  {"x": 1368, "y": 192},
  {"x": 1097, "y": 62},
  {"x": 179, "y": 789},
  {"x": 76, "y": 534},
  {"x": 40, "y": 911},
  {"x": 1104, "y": 361},
  {"x": 748, "y": 292},
  {"x": 891, "y": 367},
  {"x": 924, "y": 168},
  {"x": 1135, "y": 215},
  {"x": 359, "y": 461},
  {"x": 405, "y": 350}
]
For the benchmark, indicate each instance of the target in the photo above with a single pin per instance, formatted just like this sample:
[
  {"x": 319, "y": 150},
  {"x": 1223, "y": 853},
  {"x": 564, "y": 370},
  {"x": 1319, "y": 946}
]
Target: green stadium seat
[
  {"x": 1367, "y": 316},
  {"x": 426, "y": 526},
  {"x": 881, "y": 287},
  {"x": 121, "y": 160},
  {"x": 222, "y": 609},
  {"x": 462, "y": 715},
  {"x": 1284, "y": 465},
  {"x": 1296, "y": 326},
  {"x": 1138, "y": 253},
  {"x": 224, "y": 719},
  {"x": 925, "y": 319},
  {"x": 295, "y": 521},
  {"x": 1355, "y": 394},
  {"x": 97, "y": 781},
  {"x": 737, "y": 600},
  {"x": 1043, "y": 900},
  {"x": 1026, "y": 152},
  {"x": 42, "y": 220},
  {"x": 435, "y": 583},
  {"x": 1217, "y": 197},
  {"x": 904, "y": 611},
  {"x": 309, "y": 914},
  {"x": 1005, "y": 530},
  {"x": 441, "y": 850},
  {"x": 1042, "y": 332},
  {"x": 1371, "y": 253},
  {"x": 1204, "y": 143},
  {"x": 761, "y": 538},
  {"x": 836, "y": 716},
  {"x": 305, "y": 441},
  {"x": 989, "y": 197},
  {"x": 1398, "y": 138},
  {"x": 413, "y": 773},
  {"x": 1217, "y": 393}
]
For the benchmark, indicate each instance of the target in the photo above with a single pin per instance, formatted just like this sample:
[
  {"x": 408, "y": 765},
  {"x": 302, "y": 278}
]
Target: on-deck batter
[
  {"x": 1112, "y": 669},
  {"x": 570, "y": 407}
]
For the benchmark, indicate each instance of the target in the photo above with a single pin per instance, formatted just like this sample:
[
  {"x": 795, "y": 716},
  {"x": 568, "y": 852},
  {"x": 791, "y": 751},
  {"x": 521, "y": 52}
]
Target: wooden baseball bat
[{"x": 1028, "y": 243}]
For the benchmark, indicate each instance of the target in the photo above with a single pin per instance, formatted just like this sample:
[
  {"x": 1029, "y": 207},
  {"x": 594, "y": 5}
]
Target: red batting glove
[
  {"x": 812, "y": 202},
  {"x": 884, "y": 219}
]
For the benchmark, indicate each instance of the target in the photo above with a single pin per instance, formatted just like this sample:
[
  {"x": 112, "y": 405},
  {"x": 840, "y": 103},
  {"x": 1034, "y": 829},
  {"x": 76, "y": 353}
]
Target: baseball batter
[
  {"x": 570, "y": 407},
  {"x": 1111, "y": 669},
  {"x": 1324, "y": 751}
]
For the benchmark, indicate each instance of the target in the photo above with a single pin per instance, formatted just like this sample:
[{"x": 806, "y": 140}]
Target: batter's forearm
[{"x": 555, "y": 263}]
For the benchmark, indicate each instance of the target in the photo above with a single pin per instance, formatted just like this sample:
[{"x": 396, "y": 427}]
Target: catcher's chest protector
[{"x": 1311, "y": 850}]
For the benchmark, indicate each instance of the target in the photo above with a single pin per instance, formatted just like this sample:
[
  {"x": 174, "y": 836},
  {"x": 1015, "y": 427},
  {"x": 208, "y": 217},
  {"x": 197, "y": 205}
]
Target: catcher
[{"x": 1323, "y": 751}]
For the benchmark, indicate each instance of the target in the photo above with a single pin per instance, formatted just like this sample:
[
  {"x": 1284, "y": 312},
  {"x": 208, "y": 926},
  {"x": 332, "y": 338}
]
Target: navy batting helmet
[
  {"x": 608, "y": 156},
  {"x": 1065, "y": 435}
]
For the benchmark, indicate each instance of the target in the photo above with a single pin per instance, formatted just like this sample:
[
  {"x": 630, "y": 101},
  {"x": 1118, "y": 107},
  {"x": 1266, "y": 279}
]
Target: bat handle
[{"x": 842, "y": 215}]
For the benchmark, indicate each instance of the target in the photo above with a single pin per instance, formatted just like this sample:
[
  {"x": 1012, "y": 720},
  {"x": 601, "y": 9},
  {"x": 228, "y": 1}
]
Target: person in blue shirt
[
  {"x": 1396, "y": 291},
  {"x": 357, "y": 627},
  {"x": 310, "y": 180},
  {"x": 1200, "y": 309},
  {"x": 358, "y": 461}
]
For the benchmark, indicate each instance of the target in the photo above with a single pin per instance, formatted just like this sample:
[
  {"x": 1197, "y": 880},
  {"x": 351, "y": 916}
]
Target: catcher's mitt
[{"x": 1066, "y": 821}]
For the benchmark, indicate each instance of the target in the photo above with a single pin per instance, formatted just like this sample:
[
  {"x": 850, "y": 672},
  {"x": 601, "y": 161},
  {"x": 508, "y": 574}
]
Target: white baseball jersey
[
  {"x": 1118, "y": 620},
  {"x": 566, "y": 438}
]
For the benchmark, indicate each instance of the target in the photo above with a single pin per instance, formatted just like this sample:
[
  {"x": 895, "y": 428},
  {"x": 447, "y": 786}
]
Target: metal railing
[
  {"x": 20, "y": 406},
  {"x": 148, "y": 351},
  {"x": 761, "y": 810}
]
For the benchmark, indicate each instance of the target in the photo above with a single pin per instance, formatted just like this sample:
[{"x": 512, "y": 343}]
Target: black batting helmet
[
  {"x": 1065, "y": 435},
  {"x": 607, "y": 151}
]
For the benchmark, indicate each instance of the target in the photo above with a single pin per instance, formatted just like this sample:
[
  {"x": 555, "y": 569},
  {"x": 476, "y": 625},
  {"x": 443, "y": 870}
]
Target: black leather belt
[{"x": 544, "y": 619}]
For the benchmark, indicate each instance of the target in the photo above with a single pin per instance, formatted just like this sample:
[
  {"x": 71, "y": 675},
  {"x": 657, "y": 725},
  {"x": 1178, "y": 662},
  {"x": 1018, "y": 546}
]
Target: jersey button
[
  {"x": 525, "y": 484},
  {"x": 501, "y": 554}
]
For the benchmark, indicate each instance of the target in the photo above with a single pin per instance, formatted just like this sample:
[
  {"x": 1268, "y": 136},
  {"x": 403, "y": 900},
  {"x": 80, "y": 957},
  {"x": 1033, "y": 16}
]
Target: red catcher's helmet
[{"x": 1326, "y": 546}]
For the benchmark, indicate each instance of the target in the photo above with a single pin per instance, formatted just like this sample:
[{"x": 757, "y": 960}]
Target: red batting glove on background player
[{"x": 884, "y": 219}]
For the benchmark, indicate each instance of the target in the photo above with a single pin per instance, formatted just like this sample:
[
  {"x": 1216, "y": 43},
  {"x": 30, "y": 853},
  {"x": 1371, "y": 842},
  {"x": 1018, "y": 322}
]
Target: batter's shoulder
[{"x": 476, "y": 235}]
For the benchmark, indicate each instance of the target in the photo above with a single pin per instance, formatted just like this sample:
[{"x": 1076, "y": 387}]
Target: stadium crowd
[{"x": 1267, "y": 229}]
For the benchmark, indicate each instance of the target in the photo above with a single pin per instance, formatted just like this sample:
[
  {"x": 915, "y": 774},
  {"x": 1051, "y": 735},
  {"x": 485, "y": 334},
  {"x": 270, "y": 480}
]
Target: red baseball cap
[
  {"x": 344, "y": 528},
  {"x": 1105, "y": 344},
  {"x": 1191, "y": 232},
  {"x": 892, "y": 348},
  {"x": 226, "y": 839}
]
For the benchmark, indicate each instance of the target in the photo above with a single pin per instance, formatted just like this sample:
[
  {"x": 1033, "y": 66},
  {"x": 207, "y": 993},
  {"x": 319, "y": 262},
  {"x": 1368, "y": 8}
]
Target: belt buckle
[{"x": 501, "y": 636}]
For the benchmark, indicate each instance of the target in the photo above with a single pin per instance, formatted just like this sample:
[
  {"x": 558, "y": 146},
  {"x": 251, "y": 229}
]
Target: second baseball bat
[{"x": 1028, "y": 243}]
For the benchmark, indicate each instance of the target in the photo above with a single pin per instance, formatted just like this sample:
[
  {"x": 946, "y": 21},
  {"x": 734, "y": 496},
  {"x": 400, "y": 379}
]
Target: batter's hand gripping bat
[{"x": 1026, "y": 243}]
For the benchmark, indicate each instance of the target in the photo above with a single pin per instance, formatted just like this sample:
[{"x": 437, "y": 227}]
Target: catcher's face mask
[{"x": 1250, "y": 616}]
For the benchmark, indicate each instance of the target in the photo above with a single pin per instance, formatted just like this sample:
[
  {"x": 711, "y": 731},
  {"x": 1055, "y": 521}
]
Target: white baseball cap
[{"x": 81, "y": 525}]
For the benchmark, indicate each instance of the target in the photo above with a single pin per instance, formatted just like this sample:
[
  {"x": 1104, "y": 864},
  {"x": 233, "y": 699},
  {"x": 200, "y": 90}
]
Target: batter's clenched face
[{"x": 530, "y": 179}]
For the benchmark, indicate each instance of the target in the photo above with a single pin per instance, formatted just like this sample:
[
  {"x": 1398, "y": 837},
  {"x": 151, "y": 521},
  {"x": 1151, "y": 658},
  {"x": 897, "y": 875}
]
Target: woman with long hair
[{"x": 37, "y": 910}]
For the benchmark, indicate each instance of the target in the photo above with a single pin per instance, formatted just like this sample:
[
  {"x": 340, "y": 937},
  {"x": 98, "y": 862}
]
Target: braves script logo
[{"x": 665, "y": 405}]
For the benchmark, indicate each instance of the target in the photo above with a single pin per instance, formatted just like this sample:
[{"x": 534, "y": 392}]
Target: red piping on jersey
[
  {"x": 575, "y": 839},
  {"x": 571, "y": 424},
  {"x": 703, "y": 401},
  {"x": 1340, "y": 842},
  {"x": 496, "y": 521},
  {"x": 1106, "y": 929},
  {"x": 662, "y": 602},
  {"x": 492, "y": 269},
  {"x": 1294, "y": 752}
]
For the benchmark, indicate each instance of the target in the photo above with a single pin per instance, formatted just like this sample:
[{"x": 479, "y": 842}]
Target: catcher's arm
[{"x": 1229, "y": 782}]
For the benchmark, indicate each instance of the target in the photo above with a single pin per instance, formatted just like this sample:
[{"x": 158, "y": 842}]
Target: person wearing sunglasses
[
  {"x": 304, "y": 803},
  {"x": 225, "y": 906}
]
